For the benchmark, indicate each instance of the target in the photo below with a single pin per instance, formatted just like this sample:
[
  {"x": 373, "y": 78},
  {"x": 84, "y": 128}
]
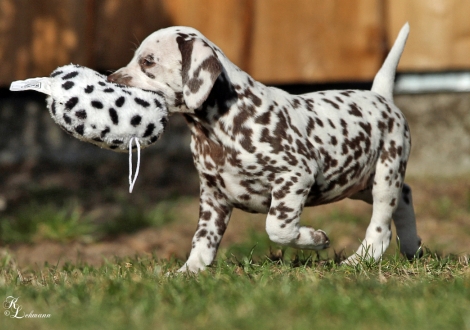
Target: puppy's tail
[{"x": 384, "y": 79}]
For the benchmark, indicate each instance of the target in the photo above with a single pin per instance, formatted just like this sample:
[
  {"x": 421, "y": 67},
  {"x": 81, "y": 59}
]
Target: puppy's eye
[{"x": 148, "y": 62}]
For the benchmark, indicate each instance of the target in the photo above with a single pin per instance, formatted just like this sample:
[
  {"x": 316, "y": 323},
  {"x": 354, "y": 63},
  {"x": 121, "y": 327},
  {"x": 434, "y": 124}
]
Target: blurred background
[{"x": 61, "y": 199}]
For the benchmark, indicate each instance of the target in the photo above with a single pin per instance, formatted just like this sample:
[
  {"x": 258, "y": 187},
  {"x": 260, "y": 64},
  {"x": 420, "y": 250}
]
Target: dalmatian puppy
[{"x": 262, "y": 150}]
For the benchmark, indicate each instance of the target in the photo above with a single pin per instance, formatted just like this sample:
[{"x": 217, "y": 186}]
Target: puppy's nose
[
  {"x": 119, "y": 78},
  {"x": 113, "y": 77}
]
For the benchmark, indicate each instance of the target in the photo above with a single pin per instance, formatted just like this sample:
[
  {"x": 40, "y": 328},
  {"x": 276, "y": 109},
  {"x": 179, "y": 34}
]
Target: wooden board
[
  {"x": 277, "y": 41},
  {"x": 35, "y": 38},
  {"x": 225, "y": 22},
  {"x": 439, "y": 33},
  {"x": 281, "y": 41},
  {"x": 314, "y": 41},
  {"x": 119, "y": 26}
]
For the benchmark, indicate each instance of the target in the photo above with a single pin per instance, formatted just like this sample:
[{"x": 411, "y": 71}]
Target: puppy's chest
[{"x": 234, "y": 172}]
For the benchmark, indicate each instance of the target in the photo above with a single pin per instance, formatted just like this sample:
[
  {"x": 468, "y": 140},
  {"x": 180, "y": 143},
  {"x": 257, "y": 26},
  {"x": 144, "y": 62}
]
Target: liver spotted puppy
[{"x": 263, "y": 150}]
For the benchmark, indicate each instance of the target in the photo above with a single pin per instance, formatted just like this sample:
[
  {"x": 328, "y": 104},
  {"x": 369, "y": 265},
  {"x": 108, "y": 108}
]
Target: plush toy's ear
[{"x": 200, "y": 69}]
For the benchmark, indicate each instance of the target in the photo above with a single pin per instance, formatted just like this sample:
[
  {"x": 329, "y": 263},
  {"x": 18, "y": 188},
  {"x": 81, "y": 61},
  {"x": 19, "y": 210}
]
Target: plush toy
[{"x": 83, "y": 103}]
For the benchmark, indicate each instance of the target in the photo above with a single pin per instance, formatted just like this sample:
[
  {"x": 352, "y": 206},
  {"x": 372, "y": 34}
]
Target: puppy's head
[{"x": 178, "y": 61}]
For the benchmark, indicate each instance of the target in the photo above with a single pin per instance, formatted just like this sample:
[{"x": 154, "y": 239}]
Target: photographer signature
[{"x": 14, "y": 310}]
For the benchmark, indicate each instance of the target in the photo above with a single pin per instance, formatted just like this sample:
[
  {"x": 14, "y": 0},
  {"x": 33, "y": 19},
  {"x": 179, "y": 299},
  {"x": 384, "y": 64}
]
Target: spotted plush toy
[{"x": 83, "y": 103}]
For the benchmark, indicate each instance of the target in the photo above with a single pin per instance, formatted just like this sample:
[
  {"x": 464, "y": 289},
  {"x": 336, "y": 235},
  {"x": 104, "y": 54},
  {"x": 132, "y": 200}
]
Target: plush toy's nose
[{"x": 119, "y": 78}]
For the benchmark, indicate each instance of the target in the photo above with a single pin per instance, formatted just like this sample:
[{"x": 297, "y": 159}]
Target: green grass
[
  {"x": 37, "y": 222},
  {"x": 254, "y": 284},
  {"x": 131, "y": 219},
  {"x": 238, "y": 293}
]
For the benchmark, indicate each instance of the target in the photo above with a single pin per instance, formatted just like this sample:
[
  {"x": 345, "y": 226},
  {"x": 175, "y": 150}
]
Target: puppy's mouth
[{"x": 120, "y": 78}]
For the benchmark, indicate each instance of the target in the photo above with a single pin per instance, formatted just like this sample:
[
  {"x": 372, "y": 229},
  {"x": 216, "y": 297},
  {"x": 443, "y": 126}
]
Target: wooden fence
[{"x": 277, "y": 41}]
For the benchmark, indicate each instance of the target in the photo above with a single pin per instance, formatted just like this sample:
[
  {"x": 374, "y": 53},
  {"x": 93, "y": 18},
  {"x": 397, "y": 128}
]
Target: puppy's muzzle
[{"x": 119, "y": 78}]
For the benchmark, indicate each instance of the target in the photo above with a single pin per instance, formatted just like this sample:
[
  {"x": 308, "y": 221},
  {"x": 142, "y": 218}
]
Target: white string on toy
[{"x": 132, "y": 181}]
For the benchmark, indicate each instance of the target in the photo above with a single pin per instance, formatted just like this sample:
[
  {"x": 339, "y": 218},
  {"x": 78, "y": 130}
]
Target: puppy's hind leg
[
  {"x": 385, "y": 193},
  {"x": 404, "y": 219},
  {"x": 405, "y": 223}
]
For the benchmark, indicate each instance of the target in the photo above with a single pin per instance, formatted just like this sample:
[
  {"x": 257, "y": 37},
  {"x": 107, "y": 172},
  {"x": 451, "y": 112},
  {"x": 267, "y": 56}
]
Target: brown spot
[
  {"x": 390, "y": 124},
  {"x": 333, "y": 140},
  {"x": 244, "y": 197},
  {"x": 264, "y": 119},
  {"x": 317, "y": 140},
  {"x": 206, "y": 215},
  {"x": 331, "y": 124},
  {"x": 344, "y": 125},
  {"x": 339, "y": 99},
  {"x": 310, "y": 126},
  {"x": 347, "y": 93},
  {"x": 201, "y": 233},
  {"x": 296, "y": 104},
  {"x": 355, "y": 110},
  {"x": 336, "y": 106}
]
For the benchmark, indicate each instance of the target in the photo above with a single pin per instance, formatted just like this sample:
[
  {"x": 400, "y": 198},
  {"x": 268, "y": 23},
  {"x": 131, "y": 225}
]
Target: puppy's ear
[{"x": 200, "y": 69}]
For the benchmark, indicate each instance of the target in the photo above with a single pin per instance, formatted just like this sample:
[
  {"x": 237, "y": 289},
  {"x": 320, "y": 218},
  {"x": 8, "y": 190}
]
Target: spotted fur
[
  {"x": 262, "y": 150},
  {"x": 94, "y": 110}
]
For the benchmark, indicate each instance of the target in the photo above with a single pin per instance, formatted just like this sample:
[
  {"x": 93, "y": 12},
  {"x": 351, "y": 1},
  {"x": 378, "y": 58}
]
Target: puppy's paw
[
  {"x": 311, "y": 239},
  {"x": 351, "y": 261},
  {"x": 192, "y": 268},
  {"x": 320, "y": 239}
]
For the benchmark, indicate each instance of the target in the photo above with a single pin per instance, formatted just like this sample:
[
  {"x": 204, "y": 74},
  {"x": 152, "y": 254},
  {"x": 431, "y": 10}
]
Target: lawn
[
  {"x": 112, "y": 266},
  {"x": 301, "y": 293}
]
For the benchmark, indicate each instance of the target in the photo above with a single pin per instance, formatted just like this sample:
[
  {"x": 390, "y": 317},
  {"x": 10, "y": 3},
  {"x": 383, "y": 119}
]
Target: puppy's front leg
[
  {"x": 282, "y": 222},
  {"x": 214, "y": 215}
]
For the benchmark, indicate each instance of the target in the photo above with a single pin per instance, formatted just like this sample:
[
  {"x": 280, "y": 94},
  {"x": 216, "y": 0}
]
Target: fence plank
[
  {"x": 277, "y": 41},
  {"x": 439, "y": 37},
  {"x": 226, "y": 23},
  {"x": 305, "y": 41},
  {"x": 120, "y": 26},
  {"x": 36, "y": 36}
]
